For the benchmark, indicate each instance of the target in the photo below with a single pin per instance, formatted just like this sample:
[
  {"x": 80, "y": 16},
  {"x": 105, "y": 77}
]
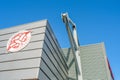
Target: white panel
[
  {"x": 24, "y": 26},
  {"x": 20, "y": 55},
  {"x": 33, "y": 38},
  {"x": 33, "y": 45},
  {"x": 34, "y": 31},
  {"x": 19, "y": 74},
  {"x": 29, "y": 63}
]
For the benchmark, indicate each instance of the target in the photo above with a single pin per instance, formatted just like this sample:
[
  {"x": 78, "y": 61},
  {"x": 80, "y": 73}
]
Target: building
[
  {"x": 41, "y": 59},
  {"x": 38, "y": 56},
  {"x": 94, "y": 63}
]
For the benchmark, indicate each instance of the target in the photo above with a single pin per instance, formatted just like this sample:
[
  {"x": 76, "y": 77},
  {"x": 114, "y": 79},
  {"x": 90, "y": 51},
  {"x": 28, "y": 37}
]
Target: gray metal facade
[
  {"x": 93, "y": 61},
  {"x": 41, "y": 59}
]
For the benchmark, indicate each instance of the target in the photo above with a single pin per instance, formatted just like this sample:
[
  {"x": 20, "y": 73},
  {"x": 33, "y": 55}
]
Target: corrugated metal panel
[
  {"x": 52, "y": 58},
  {"x": 47, "y": 71},
  {"x": 24, "y": 64},
  {"x": 93, "y": 61},
  {"x": 20, "y": 64},
  {"x": 37, "y": 37},
  {"x": 19, "y": 74},
  {"x": 62, "y": 56},
  {"x": 43, "y": 75},
  {"x": 20, "y": 55},
  {"x": 29, "y": 26},
  {"x": 55, "y": 50}
]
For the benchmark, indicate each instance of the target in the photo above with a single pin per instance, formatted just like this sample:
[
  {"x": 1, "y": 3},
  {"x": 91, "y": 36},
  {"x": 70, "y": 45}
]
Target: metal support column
[{"x": 74, "y": 44}]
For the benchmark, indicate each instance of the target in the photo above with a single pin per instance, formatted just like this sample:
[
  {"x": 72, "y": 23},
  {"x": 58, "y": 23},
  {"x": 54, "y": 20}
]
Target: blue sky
[{"x": 96, "y": 20}]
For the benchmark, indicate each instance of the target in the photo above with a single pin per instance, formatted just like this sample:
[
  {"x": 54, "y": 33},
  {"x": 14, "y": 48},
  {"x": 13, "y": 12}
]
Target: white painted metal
[
  {"x": 74, "y": 43},
  {"x": 35, "y": 44},
  {"x": 20, "y": 55},
  {"x": 20, "y": 64},
  {"x": 77, "y": 52},
  {"x": 34, "y": 38}
]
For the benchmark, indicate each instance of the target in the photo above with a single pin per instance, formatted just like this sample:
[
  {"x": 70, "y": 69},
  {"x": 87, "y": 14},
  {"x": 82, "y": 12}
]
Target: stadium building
[{"x": 32, "y": 52}]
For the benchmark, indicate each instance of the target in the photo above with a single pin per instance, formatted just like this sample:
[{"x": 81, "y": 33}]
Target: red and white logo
[{"x": 18, "y": 41}]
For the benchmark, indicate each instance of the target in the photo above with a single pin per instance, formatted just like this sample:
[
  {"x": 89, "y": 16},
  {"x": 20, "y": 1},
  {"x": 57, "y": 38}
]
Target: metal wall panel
[
  {"x": 29, "y": 26},
  {"x": 93, "y": 61},
  {"x": 43, "y": 76},
  {"x": 35, "y": 37},
  {"x": 51, "y": 66},
  {"x": 19, "y": 74},
  {"x": 55, "y": 54},
  {"x": 24, "y": 64},
  {"x": 20, "y": 64},
  {"x": 53, "y": 58},
  {"x": 28, "y": 47},
  {"x": 56, "y": 65},
  {"x": 20, "y": 55},
  {"x": 57, "y": 45},
  {"x": 37, "y": 30}
]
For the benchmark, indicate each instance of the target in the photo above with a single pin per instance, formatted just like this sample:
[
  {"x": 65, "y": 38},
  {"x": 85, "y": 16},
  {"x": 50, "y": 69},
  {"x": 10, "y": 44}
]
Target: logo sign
[{"x": 18, "y": 41}]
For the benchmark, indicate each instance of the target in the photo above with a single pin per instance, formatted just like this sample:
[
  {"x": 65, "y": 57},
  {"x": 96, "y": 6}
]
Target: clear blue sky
[{"x": 96, "y": 20}]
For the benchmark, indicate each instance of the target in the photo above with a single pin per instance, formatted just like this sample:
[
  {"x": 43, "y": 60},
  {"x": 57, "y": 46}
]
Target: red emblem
[{"x": 18, "y": 41}]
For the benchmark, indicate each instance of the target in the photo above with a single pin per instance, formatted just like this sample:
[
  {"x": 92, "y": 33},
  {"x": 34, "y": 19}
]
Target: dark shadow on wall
[
  {"x": 71, "y": 63},
  {"x": 68, "y": 54}
]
